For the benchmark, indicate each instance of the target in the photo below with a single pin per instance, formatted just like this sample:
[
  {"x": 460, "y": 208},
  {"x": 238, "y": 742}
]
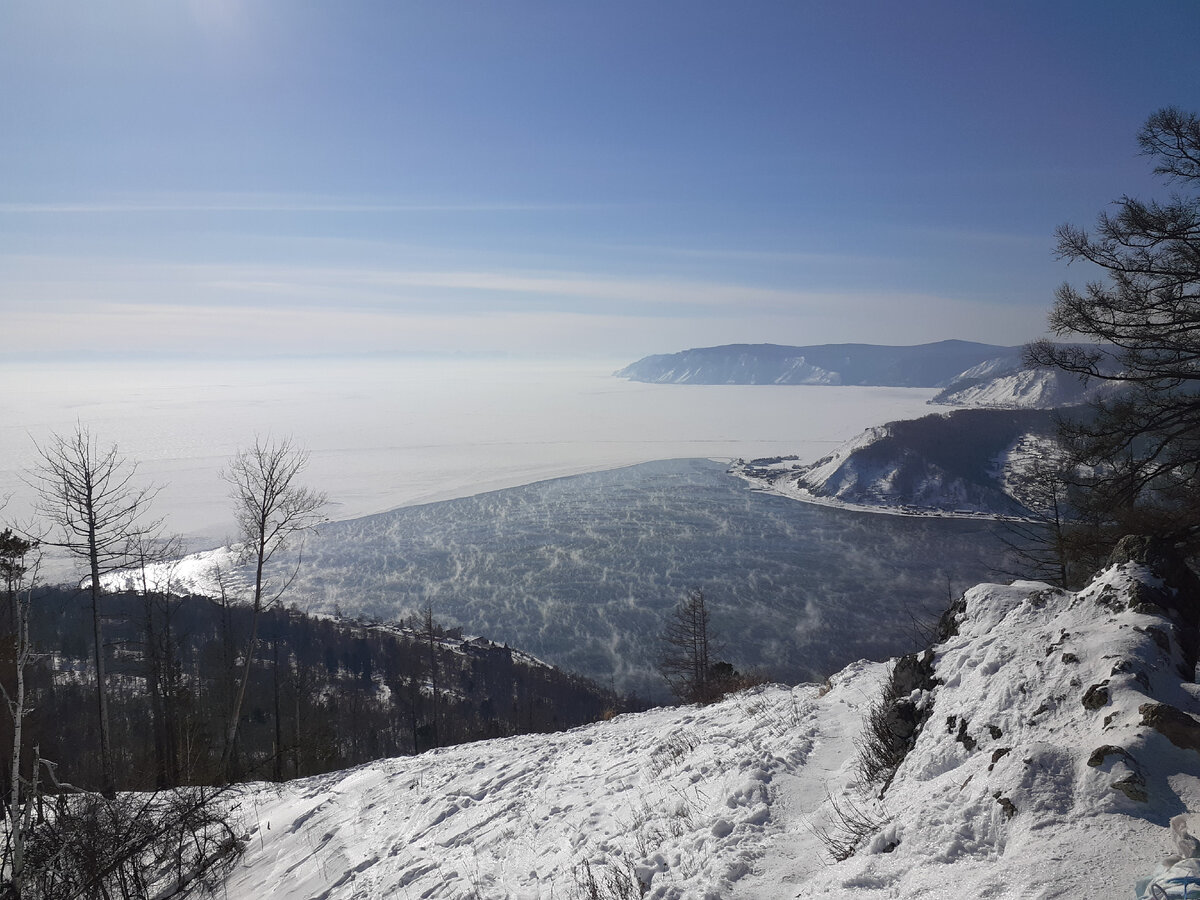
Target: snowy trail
[
  {"x": 799, "y": 808},
  {"x": 682, "y": 799}
]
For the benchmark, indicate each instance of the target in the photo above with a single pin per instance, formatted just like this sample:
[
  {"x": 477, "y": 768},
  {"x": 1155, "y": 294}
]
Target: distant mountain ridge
[{"x": 922, "y": 365}]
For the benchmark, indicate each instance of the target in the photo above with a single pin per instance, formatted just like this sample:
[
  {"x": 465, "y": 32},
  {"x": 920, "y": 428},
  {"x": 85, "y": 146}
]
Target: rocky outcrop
[{"x": 1174, "y": 724}]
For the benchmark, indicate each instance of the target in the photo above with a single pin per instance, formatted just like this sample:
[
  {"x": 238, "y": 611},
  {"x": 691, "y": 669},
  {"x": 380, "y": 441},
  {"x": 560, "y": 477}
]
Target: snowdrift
[{"x": 1054, "y": 752}]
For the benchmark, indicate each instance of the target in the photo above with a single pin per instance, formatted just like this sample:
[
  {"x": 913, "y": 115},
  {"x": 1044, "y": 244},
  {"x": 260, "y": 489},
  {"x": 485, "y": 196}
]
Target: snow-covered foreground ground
[
  {"x": 1027, "y": 781},
  {"x": 690, "y": 800}
]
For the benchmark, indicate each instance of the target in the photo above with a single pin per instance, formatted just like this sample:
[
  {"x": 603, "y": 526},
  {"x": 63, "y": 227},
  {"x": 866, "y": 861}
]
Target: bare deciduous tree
[
  {"x": 272, "y": 510},
  {"x": 99, "y": 515},
  {"x": 18, "y": 575},
  {"x": 153, "y": 581},
  {"x": 1044, "y": 545},
  {"x": 685, "y": 658}
]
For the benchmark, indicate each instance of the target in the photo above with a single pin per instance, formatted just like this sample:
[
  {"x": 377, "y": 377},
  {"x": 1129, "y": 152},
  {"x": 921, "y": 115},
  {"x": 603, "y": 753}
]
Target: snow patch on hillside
[
  {"x": 1027, "y": 388},
  {"x": 1007, "y": 383}
]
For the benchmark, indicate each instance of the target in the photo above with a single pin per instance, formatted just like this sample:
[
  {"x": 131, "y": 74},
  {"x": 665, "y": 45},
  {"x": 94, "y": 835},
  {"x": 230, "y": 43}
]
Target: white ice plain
[{"x": 384, "y": 433}]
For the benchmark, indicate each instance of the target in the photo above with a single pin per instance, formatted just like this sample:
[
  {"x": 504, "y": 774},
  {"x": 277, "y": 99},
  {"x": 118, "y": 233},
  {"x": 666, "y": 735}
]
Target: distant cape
[{"x": 923, "y": 365}]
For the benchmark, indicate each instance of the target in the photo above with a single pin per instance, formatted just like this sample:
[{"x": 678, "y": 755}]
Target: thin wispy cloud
[
  {"x": 270, "y": 205},
  {"x": 60, "y": 303},
  {"x": 144, "y": 280}
]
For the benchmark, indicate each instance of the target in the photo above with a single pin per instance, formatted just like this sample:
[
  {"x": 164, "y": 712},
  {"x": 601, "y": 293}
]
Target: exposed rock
[
  {"x": 1102, "y": 753},
  {"x": 1132, "y": 786},
  {"x": 947, "y": 626},
  {"x": 903, "y": 718},
  {"x": 1174, "y": 724},
  {"x": 1182, "y": 591},
  {"x": 1160, "y": 637},
  {"x": 1111, "y": 600},
  {"x": 1123, "y": 667},
  {"x": 1185, "y": 845},
  {"x": 1096, "y": 696},
  {"x": 963, "y": 738},
  {"x": 913, "y": 673}
]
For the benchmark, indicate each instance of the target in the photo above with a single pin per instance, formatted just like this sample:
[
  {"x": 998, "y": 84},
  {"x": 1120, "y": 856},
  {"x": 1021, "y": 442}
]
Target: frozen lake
[
  {"x": 385, "y": 433},
  {"x": 583, "y": 571}
]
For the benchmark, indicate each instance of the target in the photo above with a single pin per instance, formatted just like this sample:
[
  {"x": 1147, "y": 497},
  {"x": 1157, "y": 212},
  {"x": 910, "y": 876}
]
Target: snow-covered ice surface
[
  {"x": 1038, "y": 796},
  {"x": 384, "y": 433}
]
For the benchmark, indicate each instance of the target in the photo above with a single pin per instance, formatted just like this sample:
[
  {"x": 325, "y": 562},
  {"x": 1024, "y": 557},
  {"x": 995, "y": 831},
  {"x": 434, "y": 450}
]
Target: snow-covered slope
[
  {"x": 1034, "y": 775},
  {"x": 1005, "y": 382},
  {"x": 1022, "y": 389},
  {"x": 688, "y": 800},
  {"x": 960, "y": 463}
]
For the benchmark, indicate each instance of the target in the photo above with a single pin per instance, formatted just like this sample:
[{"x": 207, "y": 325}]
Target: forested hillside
[{"x": 324, "y": 693}]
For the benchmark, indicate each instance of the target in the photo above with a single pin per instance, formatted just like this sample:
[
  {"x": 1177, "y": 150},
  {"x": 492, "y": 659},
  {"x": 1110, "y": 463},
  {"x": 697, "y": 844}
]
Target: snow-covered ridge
[
  {"x": 970, "y": 374},
  {"x": 1007, "y": 383},
  {"x": 1038, "y": 772},
  {"x": 957, "y": 464},
  {"x": 1035, "y": 775},
  {"x": 924, "y": 365}
]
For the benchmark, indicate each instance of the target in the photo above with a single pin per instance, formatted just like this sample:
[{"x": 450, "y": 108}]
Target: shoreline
[{"x": 762, "y": 485}]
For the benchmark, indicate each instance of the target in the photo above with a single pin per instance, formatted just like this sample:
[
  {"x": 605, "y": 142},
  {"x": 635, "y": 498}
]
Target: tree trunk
[
  {"x": 236, "y": 713},
  {"x": 108, "y": 784},
  {"x": 278, "y": 768}
]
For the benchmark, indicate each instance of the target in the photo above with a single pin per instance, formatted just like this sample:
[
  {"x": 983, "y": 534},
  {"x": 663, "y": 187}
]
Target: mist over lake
[
  {"x": 584, "y": 570},
  {"x": 384, "y": 433}
]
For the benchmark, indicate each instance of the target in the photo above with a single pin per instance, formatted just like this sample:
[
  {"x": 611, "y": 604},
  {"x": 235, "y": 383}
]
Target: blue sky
[{"x": 612, "y": 178}]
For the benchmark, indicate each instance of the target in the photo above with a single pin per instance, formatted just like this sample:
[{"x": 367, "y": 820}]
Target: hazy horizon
[{"x": 388, "y": 433}]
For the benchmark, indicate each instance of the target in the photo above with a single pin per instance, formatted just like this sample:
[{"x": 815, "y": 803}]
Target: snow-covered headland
[
  {"x": 1045, "y": 763},
  {"x": 964, "y": 464}
]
